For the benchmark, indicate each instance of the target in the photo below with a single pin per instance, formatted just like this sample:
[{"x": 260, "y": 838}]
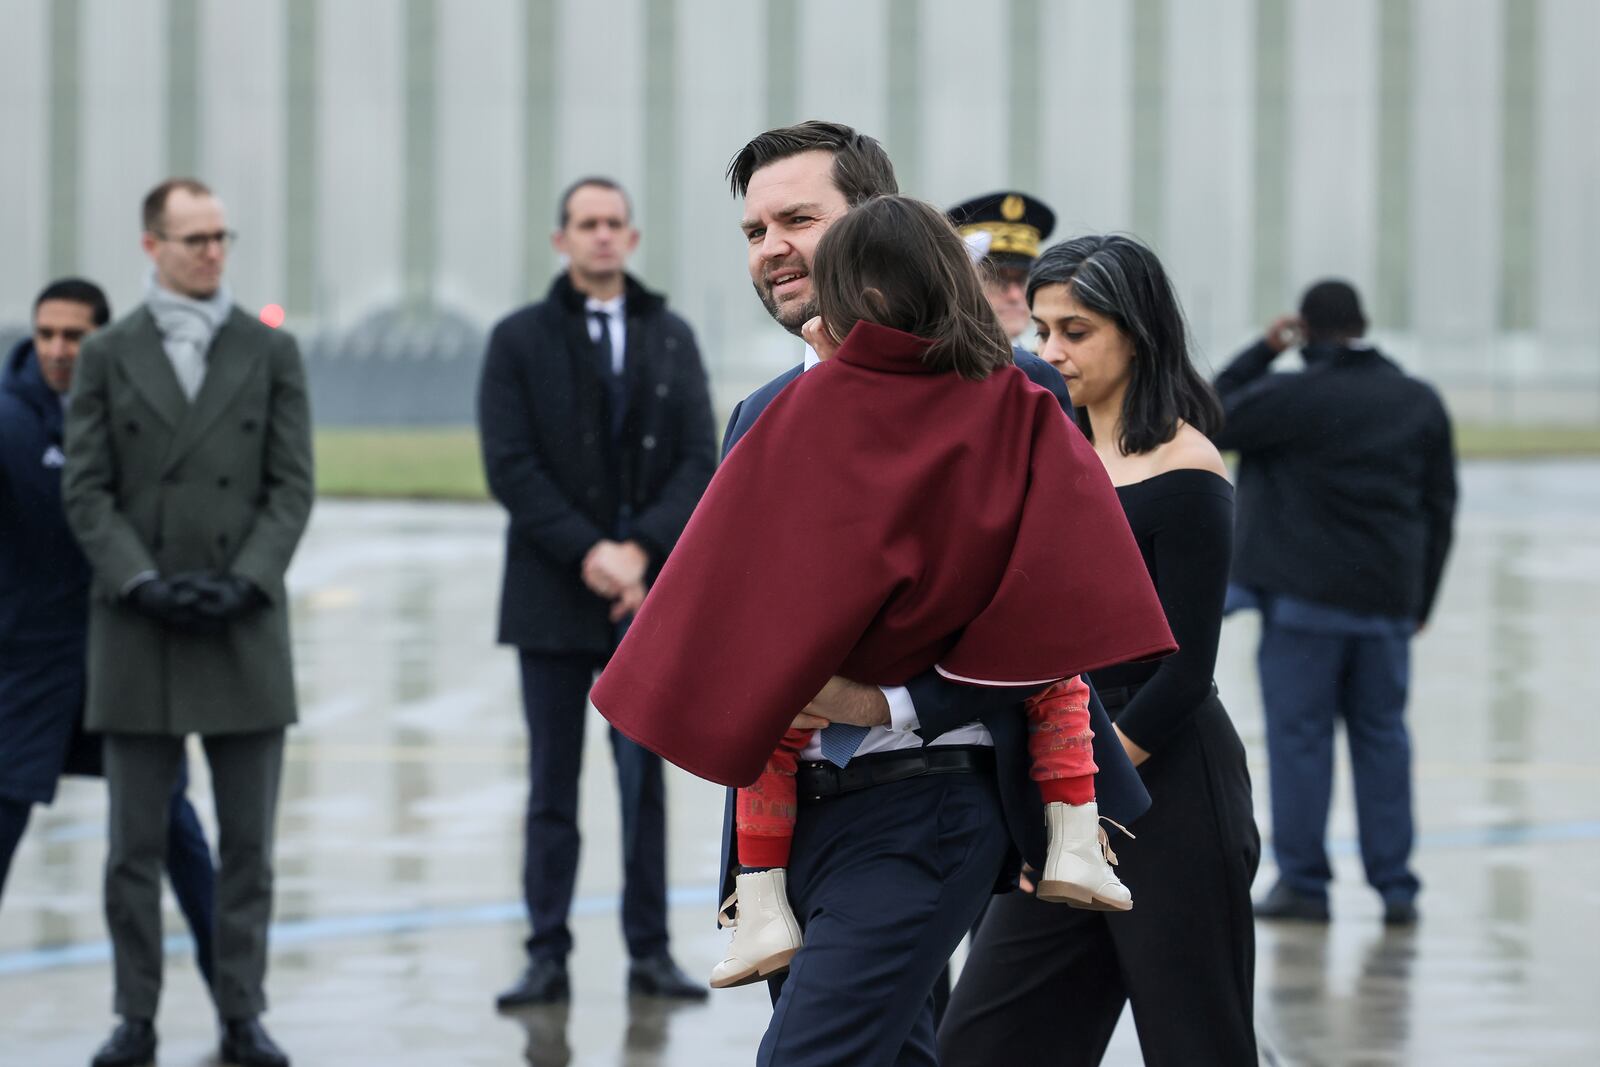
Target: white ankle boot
[
  {"x": 765, "y": 934},
  {"x": 1078, "y": 869}
]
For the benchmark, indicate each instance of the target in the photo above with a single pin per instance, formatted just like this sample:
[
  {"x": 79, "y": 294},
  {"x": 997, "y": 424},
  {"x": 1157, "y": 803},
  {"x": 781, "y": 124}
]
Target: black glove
[
  {"x": 221, "y": 598},
  {"x": 170, "y": 602}
]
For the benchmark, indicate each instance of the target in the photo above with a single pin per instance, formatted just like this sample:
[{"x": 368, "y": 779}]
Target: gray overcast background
[{"x": 393, "y": 164}]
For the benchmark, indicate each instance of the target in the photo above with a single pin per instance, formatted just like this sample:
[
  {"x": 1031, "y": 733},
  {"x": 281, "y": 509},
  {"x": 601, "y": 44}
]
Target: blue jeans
[{"x": 1310, "y": 679}]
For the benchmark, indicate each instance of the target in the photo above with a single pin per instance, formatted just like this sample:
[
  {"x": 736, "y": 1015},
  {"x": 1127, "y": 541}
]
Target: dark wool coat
[
  {"x": 157, "y": 483},
  {"x": 544, "y": 420}
]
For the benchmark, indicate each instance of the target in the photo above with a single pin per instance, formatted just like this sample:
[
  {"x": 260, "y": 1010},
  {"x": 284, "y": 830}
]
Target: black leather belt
[{"x": 816, "y": 779}]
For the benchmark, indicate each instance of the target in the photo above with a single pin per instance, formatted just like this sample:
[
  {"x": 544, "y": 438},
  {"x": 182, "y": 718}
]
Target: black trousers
[
  {"x": 884, "y": 881},
  {"x": 555, "y": 695},
  {"x": 1046, "y": 983}
]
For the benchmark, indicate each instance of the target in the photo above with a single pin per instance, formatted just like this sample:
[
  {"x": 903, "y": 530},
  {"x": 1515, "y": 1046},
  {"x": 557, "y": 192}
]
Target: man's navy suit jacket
[{"x": 943, "y": 705}]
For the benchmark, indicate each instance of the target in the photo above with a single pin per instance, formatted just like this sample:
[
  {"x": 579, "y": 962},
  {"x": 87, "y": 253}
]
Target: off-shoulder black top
[{"x": 1183, "y": 521}]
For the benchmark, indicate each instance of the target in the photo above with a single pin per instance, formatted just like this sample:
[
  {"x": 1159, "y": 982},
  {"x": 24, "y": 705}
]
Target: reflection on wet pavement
[{"x": 399, "y": 866}]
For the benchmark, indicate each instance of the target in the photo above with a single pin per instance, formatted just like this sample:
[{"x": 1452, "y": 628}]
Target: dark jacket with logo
[
  {"x": 1347, "y": 484},
  {"x": 44, "y": 579},
  {"x": 566, "y": 482},
  {"x": 44, "y": 588}
]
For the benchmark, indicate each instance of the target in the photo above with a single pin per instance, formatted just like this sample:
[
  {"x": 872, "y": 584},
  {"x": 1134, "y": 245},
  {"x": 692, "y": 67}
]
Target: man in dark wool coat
[
  {"x": 188, "y": 484},
  {"x": 44, "y": 605},
  {"x": 598, "y": 441}
]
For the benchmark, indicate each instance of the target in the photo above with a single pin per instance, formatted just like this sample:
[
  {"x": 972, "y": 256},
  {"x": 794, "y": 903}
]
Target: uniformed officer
[{"x": 1008, "y": 228}]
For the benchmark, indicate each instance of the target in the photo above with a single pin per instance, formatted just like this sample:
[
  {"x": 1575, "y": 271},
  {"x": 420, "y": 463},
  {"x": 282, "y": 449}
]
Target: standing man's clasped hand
[
  {"x": 164, "y": 601},
  {"x": 221, "y": 597},
  {"x": 615, "y": 571},
  {"x": 196, "y": 601}
]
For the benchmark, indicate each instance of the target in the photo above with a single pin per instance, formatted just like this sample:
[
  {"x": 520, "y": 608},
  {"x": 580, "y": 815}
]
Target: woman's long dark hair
[
  {"x": 899, "y": 263},
  {"x": 1122, "y": 280}
]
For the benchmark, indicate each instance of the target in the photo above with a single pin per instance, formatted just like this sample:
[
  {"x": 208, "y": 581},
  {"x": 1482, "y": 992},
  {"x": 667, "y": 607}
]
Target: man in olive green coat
[{"x": 188, "y": 483}]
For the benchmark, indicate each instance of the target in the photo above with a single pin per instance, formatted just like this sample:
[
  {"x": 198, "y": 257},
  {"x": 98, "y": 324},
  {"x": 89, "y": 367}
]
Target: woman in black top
[{"x": 1046, "y": 984}]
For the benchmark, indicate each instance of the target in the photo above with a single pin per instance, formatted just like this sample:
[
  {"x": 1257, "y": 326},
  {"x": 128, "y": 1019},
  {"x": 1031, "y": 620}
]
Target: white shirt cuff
[
  {"x": 137, "y": 580},
  {"x": 902, "y": 712}
]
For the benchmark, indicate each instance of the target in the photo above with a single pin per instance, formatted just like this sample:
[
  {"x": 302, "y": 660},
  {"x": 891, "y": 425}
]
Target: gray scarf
[{"x": 187, "y": 327}]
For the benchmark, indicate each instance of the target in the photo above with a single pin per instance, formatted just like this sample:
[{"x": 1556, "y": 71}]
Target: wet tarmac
[{"x": 398, "y": 916}]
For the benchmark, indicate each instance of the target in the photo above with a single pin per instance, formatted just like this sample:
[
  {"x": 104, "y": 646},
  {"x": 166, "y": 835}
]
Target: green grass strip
[
  {"x": 415, "y": 464},
  {"x": 443, "y": 464}
]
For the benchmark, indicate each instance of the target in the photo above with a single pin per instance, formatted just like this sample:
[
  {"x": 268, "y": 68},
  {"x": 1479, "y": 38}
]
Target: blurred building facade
[{"x": 393, "y": 165}]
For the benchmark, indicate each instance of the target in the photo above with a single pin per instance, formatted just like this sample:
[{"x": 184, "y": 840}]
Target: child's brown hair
[{"x": 898, "y": 262}]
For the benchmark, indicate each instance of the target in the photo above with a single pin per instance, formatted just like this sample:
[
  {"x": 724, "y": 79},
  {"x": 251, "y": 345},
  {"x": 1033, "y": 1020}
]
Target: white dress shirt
[
  {"x": 617, "y": 327},
  {"x": 899, "y": 734}
]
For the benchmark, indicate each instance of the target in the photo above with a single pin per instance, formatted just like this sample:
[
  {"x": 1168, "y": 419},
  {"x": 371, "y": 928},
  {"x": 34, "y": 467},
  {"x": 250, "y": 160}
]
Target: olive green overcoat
[{"x": 157, "y": 483}]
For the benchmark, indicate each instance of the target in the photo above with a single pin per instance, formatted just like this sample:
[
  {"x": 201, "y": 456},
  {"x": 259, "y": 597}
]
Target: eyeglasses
[{"x": 199, "y": 242}]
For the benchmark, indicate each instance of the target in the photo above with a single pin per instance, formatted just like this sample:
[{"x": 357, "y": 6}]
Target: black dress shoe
[
  {"x": 131, "y": 1044},
  {"x": 1400, "y": 913},
  {"x": 245, "y": 1043},
  {"x": 1284, "y": 903},
  {"x": 541, "y": 982},
  {"x": 658, "y": 976}
]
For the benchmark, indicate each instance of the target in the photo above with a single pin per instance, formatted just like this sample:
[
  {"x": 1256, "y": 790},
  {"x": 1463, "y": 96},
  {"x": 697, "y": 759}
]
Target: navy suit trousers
[
  {"x": 555, "y": 692},
  {"x": 885, "y": 882}
]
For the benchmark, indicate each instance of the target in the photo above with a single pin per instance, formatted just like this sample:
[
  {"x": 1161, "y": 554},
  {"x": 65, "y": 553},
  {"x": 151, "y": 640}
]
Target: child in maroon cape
[{"x": 914, "y": 502}]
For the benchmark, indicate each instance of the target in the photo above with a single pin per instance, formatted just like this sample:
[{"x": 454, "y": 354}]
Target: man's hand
[
  {"x": 1285, "y": 331},
  {"x": 628, "y": 602},
  {"x": 1136, "y": 755},
  {"x": 609, "y": 568},
  {"x": 221, "y": 598},
  {"x": 842, "y": 700},
  {"x": 170, "y": 602}
]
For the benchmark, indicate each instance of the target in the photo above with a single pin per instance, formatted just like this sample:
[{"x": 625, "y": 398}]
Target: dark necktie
[
  {"x": 602, "y": 345},
  {"x": 615, "y": 385}
]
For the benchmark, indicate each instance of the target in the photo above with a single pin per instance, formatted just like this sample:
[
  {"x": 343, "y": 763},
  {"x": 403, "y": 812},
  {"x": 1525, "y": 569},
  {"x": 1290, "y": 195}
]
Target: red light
[{"x": 273, "y": 315}]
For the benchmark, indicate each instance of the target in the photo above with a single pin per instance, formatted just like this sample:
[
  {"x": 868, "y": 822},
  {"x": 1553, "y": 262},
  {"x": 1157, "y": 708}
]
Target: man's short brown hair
[
  {"x": 861, "y": 168},
  {"x": 155, "y": 202}
]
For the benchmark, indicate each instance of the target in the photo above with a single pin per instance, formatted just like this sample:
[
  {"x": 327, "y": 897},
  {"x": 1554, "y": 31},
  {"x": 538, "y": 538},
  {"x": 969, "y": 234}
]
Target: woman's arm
[{"x": 1193, "y": 545}]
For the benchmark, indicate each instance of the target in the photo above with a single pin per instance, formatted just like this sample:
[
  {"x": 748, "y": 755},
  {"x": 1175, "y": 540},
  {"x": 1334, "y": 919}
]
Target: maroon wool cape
[{"x": 878, "y": 520}]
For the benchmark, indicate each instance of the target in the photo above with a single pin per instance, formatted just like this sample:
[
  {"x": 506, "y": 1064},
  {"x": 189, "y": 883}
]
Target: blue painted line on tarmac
[
  {"x": 1490, "y": 837},
  {"x": 311, "y": 931}
]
